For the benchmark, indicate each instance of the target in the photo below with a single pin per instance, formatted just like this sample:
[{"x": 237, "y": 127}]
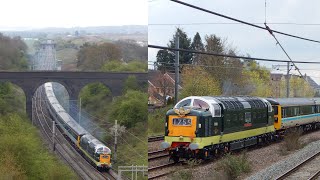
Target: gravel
[{"x": 286, "y": 164}]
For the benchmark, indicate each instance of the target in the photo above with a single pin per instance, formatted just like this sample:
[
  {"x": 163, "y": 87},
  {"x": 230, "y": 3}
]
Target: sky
[
  {"x": 245, "y": 39},
  {"x": 17, "y": 14}
]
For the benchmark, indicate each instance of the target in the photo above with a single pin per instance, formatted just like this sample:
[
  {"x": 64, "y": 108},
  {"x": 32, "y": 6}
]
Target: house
[{"x": 161, "y": 87}]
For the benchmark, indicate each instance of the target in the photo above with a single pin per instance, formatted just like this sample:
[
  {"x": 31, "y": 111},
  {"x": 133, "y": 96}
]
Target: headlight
[
  {"x": 194, "y": 146},
  {"x": 164, "y": 145}
]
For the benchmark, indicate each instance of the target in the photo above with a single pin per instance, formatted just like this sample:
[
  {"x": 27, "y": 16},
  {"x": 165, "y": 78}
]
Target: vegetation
[
  {"x": 12, "y": 53},
  {"x": 22, "y": 154},
  {"x": 118, "y": 66},
  {"x": 185, "y": 174},
  {"x": 130, "y": 108},
  {"x": 95, "y": 98},
  {"x": 12, "y": 99},
  {"x": 234, "y": 165},
  {"x": 229, "y": 76},
  {"x": 291, "y": 141},
  {"x": 156, "y": 121},
  {"x": 93, "y": 56},
  {"x": 298, "y": 88},
  {"x": 198, "y": 82}
]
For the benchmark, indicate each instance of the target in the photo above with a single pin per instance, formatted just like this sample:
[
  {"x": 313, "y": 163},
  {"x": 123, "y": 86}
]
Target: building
[{"x": 161, "y": 87}]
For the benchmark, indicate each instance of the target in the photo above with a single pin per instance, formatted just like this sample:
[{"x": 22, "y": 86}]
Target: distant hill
[{"x": 126, "y": 29}]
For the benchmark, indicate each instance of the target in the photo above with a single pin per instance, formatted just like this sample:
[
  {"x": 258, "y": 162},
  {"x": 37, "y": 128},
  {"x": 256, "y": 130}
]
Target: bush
[
  {"x": 291, "y": 141},
  {"x": 234, "y": 165},
  {"x": 130, "y": 108}
]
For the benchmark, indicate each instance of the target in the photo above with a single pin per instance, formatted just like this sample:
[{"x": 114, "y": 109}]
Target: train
[
  {"x": 204, "y": 127},
  {"x": 94, "y": 151}
]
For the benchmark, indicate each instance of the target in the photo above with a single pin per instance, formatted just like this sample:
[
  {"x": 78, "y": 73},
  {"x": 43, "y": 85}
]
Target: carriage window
[
  {"x": 201, "y": 104},
  {"x": 296, "y": 111},
  {"x": 186, "y": 102},
  {"x": 217, "y": 110},
  {"x": 283, "y": 113},
  {"x": 248, "y": 117}
]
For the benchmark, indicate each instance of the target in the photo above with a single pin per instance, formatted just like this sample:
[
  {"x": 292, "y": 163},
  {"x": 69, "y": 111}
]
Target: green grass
[
  {"x": 22, "y": 154},
  {"x": 156, "y": 121},
  {"x": 67, "y": 55}
]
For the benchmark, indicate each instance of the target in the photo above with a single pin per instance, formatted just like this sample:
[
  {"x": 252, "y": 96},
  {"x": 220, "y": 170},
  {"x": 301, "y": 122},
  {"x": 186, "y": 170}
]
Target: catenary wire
[
  {"x": 226, "y": 55},
  {"x": 240, "y": 21}
]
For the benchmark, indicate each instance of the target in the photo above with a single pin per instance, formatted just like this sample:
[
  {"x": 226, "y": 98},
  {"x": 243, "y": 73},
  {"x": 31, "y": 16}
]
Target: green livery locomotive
[{"x": 204, "y": 127}]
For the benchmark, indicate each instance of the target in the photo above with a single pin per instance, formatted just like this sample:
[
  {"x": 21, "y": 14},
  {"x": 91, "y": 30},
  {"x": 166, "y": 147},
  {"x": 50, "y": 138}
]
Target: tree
[
  {"x": 92, "y": 57},
  {"x": 166, "y": 58},
  {"x": 12, "y": 53},
  {"x": 131, "y": 83},
  {"x": 197, "y": 82},
  {"x": 197, "y": 45},
  {"x": 130, "y": 109},
  {"x": 258, "y": 79}
]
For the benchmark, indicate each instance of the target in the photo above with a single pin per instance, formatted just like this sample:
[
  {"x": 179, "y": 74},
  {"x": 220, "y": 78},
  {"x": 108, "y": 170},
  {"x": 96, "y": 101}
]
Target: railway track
[
  {"x": 153, "y": 155},
  {"x": 161, "y": 167},
  {"x": 304, "y": 167},
  {"x": 155, "y": 138},
  {"x": 63, "y": 147}
]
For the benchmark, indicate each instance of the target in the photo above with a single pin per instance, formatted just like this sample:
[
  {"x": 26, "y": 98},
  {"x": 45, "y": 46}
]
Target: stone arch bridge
[{"x": 72, "y": 81}]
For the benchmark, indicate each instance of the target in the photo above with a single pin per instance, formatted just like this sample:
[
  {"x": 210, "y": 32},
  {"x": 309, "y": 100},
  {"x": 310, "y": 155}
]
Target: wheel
[{"x": 175, "y": 159}]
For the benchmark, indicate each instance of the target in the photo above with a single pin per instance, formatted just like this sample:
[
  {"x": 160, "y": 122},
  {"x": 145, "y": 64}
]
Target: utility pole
[
  {"x": 79, "y": 114},
  {"x": 115, "y": 140},
  {"x": 277, "y": 67},
  {"x": 288, "y": 80},
  {"x": 176, "y": 87},
  {"x": 53, "y": 135}
]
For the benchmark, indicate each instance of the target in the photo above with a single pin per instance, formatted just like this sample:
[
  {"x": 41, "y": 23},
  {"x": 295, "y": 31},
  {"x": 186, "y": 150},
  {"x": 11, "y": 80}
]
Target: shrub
[
  {"x": 292, "y": 140},
  {"x": 234, "y": 165}
]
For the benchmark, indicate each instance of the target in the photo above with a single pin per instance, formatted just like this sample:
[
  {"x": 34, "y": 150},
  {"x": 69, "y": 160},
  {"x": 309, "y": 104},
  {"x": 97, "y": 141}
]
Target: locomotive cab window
[
  {"x": 186, "y": 102},
  {"x": 217, "y": 110},
  {"x": 201, "y": 104}
]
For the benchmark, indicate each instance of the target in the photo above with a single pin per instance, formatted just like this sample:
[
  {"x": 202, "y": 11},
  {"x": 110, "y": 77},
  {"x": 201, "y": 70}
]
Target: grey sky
[
  {"x": 71, "y": 13},
  {"x": 246, "y": 39}
]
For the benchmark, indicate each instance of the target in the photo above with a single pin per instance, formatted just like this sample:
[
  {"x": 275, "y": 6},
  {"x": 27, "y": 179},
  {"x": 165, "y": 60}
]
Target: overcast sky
[
  {"x": 246, "y": 39},
  {"x": 71, "y": 13}
]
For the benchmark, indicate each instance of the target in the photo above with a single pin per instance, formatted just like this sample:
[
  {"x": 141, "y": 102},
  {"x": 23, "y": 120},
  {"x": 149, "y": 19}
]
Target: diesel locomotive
[
  {"x": 91, "y": 148},
  {"x": 204, "y": 127}
]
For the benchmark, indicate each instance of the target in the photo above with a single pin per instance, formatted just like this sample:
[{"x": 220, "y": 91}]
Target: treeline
[
  {"x": 94, "y": 56},
  {"x": 217, "y": 75},
  {"x": 12, "y": 53}
]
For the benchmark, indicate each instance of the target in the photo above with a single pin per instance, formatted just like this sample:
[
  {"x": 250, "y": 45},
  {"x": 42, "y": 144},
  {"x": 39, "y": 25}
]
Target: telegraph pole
[
  {"x": 277, "y": 67},
  {"x": 79, "y": 114},
  {"x": 115, "y": 140},
  {"x": 176, "y": 87},
  {"x": 288, "y": 80}
]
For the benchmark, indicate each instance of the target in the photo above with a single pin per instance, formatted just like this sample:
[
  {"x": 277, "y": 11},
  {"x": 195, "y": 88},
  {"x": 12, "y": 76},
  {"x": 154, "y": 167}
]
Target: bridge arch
[{"x": 72, "y": 81}]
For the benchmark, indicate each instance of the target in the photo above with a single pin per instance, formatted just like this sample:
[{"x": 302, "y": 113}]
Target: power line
[
  {"x": 271, "y": 33},
  {"x": 240, "y": 21},
  {"x": 231, "y": 23},
  {"x": 226, "y": 55}
]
